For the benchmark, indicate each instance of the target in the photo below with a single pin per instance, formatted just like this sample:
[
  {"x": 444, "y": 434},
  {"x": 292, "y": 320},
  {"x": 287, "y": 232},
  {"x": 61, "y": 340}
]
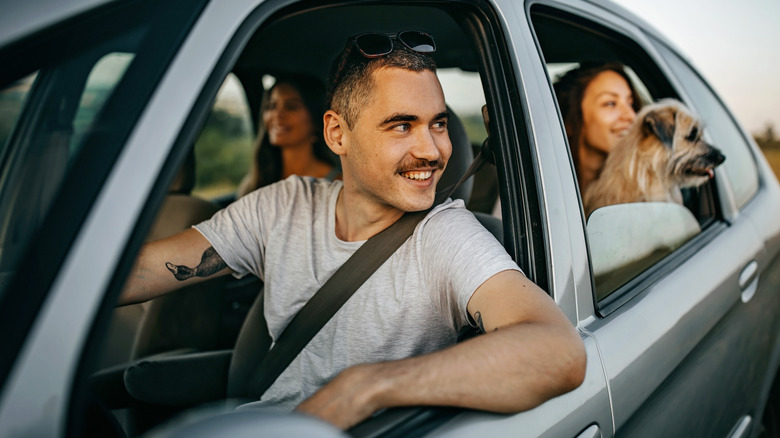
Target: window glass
[
  {"x": 12, "y": 99},
  {"x": 100, "y": 82},
  {"x": 62, "y": 123},
  {"x": 740, "y": 167},
  {"x": 223, "y": 151},
  {"x": 602, "y": 80},
  {"x": 463, "y": 91},
  {"x": 36, "y": 159}
]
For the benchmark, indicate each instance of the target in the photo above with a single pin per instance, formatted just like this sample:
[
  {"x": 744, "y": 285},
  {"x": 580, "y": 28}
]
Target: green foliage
[
  {"x": 223, "y": 152},
  {"x": 10, "y": 107},
  {"x": 475, "y": 127}
]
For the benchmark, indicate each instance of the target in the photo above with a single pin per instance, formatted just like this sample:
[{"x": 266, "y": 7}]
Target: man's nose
[{"x": 426, "y": 146}]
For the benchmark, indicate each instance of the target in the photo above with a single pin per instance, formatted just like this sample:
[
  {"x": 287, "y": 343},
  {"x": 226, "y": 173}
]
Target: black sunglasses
[{"x": 374, "y": 45}]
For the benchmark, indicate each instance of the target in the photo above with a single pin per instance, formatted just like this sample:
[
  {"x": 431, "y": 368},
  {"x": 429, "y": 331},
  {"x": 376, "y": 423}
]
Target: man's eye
[{"x": 403, "y": 127}]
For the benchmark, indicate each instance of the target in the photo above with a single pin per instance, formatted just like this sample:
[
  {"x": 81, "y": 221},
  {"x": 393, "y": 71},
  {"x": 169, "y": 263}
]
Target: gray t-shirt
[{"x": 413, "y": 304}]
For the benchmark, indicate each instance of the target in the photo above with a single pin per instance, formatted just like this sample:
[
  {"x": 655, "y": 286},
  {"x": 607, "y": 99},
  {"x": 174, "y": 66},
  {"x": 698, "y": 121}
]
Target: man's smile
[
  {"x": 420, "y": 170},
  {"x": 418, "y": 175}
]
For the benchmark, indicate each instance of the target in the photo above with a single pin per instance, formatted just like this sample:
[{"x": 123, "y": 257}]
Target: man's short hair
[{"x": 350, "y": 87}]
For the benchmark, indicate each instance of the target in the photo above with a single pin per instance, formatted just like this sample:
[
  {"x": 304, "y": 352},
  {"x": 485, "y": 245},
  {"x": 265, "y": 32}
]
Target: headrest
[{"x": 462, "y": 156}]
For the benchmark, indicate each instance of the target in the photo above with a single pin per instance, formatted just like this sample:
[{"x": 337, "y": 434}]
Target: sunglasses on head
[{"x": 374, "y": 45}]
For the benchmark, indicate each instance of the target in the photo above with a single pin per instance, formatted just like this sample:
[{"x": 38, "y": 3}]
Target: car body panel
[
  {"x": 18, "y": 23},
  {"x": 567, "y": 415},
  {"x": 101, "y": 242},
  {"x": 696, "y": 336}
]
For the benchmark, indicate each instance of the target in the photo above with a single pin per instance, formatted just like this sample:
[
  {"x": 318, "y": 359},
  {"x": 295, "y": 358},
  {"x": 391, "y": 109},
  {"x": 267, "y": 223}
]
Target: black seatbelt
[{"x": 340, "y": 287}]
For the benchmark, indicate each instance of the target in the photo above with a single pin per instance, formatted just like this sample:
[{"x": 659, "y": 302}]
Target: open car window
[
  {"x": 740, "y": 166},
  {"x": 208, "y": 318},
  {"x": 625, "y": 246}
]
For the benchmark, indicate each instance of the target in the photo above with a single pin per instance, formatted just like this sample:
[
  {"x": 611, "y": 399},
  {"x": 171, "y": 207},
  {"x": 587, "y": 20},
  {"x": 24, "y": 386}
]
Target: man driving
[{"x": 394, "y": 341}]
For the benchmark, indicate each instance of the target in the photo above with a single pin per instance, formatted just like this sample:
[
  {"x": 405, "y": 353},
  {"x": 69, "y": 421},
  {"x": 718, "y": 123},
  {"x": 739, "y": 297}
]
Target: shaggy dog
[{"x": 662, "y": 153}]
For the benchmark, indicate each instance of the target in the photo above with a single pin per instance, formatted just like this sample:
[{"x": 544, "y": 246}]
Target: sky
[{"x": 735, "y": 45}]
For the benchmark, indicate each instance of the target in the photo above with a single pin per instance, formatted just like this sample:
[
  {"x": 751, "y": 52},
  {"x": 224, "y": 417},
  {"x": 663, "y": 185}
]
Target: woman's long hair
[
  {"x": 569, "y": 90},
  {"x": 267, "y": 161}
]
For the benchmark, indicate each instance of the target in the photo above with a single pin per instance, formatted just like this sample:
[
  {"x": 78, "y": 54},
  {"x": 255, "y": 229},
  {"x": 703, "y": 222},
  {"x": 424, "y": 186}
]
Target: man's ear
[{"x": 335, "y": 132}]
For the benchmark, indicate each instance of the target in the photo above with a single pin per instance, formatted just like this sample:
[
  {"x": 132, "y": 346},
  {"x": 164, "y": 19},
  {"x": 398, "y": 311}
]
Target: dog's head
[{"x": 691, "y": 160}]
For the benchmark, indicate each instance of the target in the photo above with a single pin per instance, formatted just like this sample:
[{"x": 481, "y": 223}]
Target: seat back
[
  {"x": 251, "y": 346},
  {"x": 189, "y": 317}
]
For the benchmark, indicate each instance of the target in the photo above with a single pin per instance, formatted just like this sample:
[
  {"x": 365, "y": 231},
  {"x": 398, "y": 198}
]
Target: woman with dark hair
[
  {"x": 290, "y": 140},
  {"x": 598, "y": 103}
]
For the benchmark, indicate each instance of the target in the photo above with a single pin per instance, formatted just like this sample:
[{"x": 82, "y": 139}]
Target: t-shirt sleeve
[
  {"x": 239, "y": 232},
  {"x": 457, "y": 255}
]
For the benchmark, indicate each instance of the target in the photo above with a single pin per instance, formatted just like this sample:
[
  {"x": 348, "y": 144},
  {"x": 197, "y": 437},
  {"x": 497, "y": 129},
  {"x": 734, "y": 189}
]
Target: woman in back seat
[
  {"x": 598, "y": 103},
  {"x": 290, "y": 141}
]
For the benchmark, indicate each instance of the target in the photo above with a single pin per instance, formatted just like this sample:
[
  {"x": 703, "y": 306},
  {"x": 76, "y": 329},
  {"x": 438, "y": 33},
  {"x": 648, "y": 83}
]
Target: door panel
[
  {"x": 567, "y": 415},
  {"x": 678, "y": 355}
]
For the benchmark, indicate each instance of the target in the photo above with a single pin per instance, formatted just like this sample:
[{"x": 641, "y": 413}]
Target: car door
[
  {"x": 75, "y": 80},
  {"x": 675, "y": 334},
  {"x": 538, "y": 199},
  {"x": 462, "y": 30}
]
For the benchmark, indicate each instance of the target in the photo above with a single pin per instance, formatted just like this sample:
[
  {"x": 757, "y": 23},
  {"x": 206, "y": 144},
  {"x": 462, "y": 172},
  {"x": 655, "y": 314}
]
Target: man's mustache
[{"x": 421, "y": 164}]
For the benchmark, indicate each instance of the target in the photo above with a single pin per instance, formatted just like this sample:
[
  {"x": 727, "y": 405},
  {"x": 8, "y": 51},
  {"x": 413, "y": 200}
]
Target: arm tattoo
[
  {"x": 210, "y": 264},
  {"x": 481, "y": 326}
]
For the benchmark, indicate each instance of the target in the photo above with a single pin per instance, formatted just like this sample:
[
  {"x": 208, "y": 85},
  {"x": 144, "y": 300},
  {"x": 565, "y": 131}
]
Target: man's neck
[{"x": 358, "y": 219}]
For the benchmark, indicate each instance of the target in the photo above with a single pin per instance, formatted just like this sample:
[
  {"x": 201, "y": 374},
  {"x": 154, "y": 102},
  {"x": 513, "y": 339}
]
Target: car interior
[{"x": 154, "y": 352}]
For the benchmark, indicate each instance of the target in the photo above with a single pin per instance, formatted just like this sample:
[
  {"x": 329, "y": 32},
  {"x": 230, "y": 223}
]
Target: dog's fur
[{"x": 662, "y": 153}]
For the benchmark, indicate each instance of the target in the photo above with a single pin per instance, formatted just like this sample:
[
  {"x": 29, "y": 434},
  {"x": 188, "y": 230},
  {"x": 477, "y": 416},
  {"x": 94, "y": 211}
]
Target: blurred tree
[
  {"x": 222, "y": 153},
  {"x": 767, "y": 139}
]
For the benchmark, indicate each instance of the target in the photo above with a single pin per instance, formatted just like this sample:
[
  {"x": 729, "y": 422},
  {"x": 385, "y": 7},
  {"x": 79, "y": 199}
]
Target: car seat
[{"x": 186, "y": 318}]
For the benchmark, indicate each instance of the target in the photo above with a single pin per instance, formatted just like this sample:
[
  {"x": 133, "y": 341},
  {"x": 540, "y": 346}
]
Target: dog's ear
[{"x": 661, "y": 124}]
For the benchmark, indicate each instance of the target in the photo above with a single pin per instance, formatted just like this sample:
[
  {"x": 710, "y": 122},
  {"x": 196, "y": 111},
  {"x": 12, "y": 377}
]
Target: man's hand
[{"x": 346, "y": 400}]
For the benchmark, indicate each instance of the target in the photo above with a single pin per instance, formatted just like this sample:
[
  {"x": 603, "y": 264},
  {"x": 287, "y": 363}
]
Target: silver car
[{"x": 104, "y": 103}]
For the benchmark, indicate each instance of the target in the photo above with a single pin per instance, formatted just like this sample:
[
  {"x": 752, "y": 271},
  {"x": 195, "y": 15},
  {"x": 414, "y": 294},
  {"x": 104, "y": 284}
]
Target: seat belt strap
[
  {"x": 329, "y": 299},
  {"x": 340, "y": 287}
]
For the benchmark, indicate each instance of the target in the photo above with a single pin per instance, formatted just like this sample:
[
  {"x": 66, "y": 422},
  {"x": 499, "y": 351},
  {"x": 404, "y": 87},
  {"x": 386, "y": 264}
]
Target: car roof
[
  {"x": 298, "y": 43},
  {"x": 271, "y": 49},
  {"x": 25, "y": 18}
]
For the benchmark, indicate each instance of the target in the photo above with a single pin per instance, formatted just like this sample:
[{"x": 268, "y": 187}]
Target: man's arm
[
  {"x": 529, "y": 354},
  {"x": 168, "y": 264}
]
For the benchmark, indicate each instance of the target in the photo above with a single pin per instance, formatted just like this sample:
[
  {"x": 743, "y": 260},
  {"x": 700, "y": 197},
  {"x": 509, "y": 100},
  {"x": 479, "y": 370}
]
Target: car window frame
[
  {"x": 509, "y": 127},
  {"x": 50, "y": 244},
  {"x": 730, "y": 206},
  {"x": 711, "y": 227}
]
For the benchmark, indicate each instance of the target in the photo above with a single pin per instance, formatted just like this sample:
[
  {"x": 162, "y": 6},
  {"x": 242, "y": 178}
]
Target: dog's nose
[{"x": 715, "y": 156}]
